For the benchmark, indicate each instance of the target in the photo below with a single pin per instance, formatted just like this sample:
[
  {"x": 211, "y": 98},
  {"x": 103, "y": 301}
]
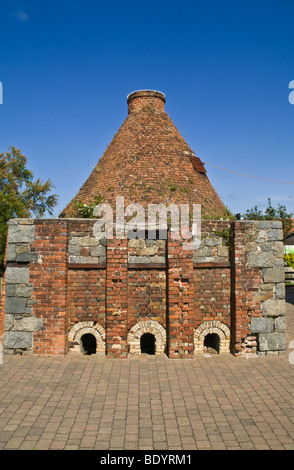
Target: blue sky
[{"x": 67, "y": 66}]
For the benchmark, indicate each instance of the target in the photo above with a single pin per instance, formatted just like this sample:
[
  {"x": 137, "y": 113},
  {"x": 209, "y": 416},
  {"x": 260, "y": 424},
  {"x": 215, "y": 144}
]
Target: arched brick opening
[
  {"x": 148, "y": 344},
  {"x": 212, "y": 342},
  {"x": 83, "y": 328},
  {"x": 89, "y": 344},
  {"x": 143, "y": 327},
  {"x": 213, "y": 327}
]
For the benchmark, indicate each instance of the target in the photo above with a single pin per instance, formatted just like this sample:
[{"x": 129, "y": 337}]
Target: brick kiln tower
[
  {"x": 67, "y": 291},
  {"x": 148, "y": 161}
]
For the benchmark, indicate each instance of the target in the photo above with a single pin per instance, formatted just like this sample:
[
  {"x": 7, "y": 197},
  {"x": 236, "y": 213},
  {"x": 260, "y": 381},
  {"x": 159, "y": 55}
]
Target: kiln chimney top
[{"x": 146, "y": 99}]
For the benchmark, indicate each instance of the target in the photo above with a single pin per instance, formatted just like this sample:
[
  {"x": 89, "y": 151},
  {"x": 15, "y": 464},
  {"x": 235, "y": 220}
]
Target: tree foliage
[
  {"x": 20, "y": 195},
  {"x": 289, "y": 258},
  {"x": 85, "y": 211},
  {"x": 272, "y": 213}
]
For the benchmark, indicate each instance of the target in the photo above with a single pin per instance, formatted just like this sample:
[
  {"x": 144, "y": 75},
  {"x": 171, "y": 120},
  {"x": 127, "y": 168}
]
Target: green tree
[
  {"x": 272, "y": 213},
  {"x": 20, "y": 194}
]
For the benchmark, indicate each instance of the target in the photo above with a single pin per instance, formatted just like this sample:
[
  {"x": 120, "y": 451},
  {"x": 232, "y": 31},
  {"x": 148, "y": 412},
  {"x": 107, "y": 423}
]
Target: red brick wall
[
  {"x": 117, "y": 298},
  {"x": 180, "y": 301},
  {"x": 213, "y": 293},
  {"x": 146, "y": 296},
  {"x": 245, "y": 281},
  {"x": 49, "y": 279},
  {"x": 86, "y": 296}
]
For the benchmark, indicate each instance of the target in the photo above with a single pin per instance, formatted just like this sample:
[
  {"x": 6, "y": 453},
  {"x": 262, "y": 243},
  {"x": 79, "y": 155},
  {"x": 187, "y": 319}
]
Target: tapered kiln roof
[{"x": 148, "y": 161}]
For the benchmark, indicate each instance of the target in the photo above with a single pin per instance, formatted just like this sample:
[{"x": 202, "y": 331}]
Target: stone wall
[
  {"x": 61, "y": 281},
  {"x": 146, "y": 251},
  {"x": 265, "y": 252},
  {"x": 83, "y": 247},
  {"x": 215, "y": 242},
  {"x": 20, "y": 323}
]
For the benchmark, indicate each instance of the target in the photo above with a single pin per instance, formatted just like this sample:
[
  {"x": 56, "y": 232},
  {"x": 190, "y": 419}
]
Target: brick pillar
[
  {"x": 48, "y": 277},
  {"x": 116, "y": 298},
  {"x": 180, "y": 303},
  {"x": 245, "y": 283}
]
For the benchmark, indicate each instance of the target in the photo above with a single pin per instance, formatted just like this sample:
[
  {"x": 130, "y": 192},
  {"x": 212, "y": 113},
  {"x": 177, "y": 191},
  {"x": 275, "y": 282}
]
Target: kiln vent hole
[
  {"x": 211, "y": 343},
  {"x": 147, "y": 343},
  {"x": 88, "y": 344}
]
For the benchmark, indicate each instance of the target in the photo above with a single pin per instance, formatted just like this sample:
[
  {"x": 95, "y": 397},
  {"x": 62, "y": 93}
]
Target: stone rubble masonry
[
  {"x": 82, "y": 248},
  {"x": 20, "y": 323},
  {"x": 59, "y": 278},
  {"x": 214, "y": 243},
  {"x": 264, "y": 309},
  {"x": 146, "y": 251}
]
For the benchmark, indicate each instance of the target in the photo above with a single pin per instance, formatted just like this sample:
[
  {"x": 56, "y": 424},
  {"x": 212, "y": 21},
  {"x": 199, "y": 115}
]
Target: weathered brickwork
[
  {"x": 117, "y": 298},
  {"x": 212, "y": 295},
  {"x": 146, "y": 296},
  {"x": 180, "y": 300},
  {"x": 135, "y": 287},
  {"x": 86, "y": 296},
  {"x": 48, "y": 276},
  {"x": 148, "y": 161},
  {"x": 79, "y": 330}
]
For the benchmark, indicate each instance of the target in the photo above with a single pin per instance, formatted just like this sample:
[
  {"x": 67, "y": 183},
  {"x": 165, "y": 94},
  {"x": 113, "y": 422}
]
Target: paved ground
[{"x": 148, "y": 403}]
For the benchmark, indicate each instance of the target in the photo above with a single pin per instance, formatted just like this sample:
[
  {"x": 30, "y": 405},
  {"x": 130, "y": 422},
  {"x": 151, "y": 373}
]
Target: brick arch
[
  {"x": 142, "y": 327},
  {"x": 81, "y": 328},
  {"x": 209, "y": 327}
]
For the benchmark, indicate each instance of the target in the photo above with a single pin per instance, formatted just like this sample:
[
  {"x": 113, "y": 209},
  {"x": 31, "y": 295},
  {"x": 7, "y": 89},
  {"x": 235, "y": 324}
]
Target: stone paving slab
[
  {"x": 86, "y": 402},
  {"x": 148, "y": 403}
]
